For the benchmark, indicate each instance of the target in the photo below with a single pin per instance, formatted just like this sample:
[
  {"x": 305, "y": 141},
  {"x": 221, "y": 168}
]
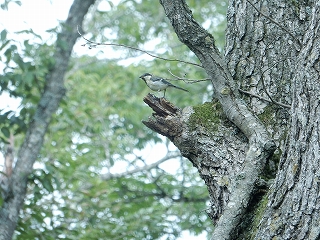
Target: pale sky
[{"x": 39, "y": 15}]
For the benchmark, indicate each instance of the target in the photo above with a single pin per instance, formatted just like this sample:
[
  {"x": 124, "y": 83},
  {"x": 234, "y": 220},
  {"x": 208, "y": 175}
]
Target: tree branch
[
  {"x": 165, "y": 120},
  {"x": 93, "y": 44},
  {"x": 260, "y": 145},
  {"x": 187, "y": 80},
  {"x": 169, "y": 156}
]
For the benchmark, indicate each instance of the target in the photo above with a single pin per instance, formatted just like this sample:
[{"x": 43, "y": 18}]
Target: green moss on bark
[
  {"x": 268, "y": 115},
  {"x": 206, "y": 115}
]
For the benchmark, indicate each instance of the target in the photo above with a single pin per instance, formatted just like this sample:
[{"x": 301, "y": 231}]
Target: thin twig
[
  {"x": 265, "y": 89},
  {"x": 133, "y": 48},
  {"x": 187, "y": 80},
  {"x": 264, "y": 86},
  {"x": 264, "y": 99},
  {"x": 169, "y": 156}
]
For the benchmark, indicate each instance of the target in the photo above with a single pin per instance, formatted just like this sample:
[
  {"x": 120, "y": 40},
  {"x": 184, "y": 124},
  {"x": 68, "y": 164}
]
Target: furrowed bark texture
[
  {"x": 15, "y": 191},
  {"x": 242, "y": 183},
  {"x": 293, "y": 210},
  {"x": 279, "y": 57}
]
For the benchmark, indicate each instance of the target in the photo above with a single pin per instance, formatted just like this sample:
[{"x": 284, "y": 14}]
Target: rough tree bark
[
  {"x": 294, "y": 200},
  {"x": 14, "y": 187},
  {"x": 272, "y": 50}
]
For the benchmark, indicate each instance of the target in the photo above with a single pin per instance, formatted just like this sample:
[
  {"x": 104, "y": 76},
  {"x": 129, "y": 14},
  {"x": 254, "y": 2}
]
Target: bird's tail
[{"x": 180, "y": 88}]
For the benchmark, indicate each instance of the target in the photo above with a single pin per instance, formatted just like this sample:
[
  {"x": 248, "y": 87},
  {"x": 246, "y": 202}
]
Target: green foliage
[
  {"x": 136, "y": 23},
  {"x": 4, "y": 5},
  {"x": 23, "y": 78},
  {"x": 98, "y": 130},
  {"x": 98, "y": 126}
]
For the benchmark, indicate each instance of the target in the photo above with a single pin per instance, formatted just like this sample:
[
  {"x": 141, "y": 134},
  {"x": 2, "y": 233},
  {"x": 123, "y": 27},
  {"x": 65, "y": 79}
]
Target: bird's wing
[
  {"x": 160, "y": 79},
  {"x": 166, "y": 82},
  {"x": 156, "y": 79}
]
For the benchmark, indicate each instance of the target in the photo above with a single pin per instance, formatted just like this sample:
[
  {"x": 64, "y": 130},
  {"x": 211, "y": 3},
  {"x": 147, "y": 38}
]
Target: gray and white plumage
[{"x": 157, "y": 83}]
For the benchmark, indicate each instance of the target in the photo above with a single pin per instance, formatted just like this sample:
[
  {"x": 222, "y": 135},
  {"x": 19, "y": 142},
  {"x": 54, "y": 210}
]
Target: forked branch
[{"x": 261, "y": 146}]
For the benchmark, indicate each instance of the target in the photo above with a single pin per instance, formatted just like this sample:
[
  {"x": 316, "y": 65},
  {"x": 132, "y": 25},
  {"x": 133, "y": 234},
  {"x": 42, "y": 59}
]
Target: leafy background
[{"x": 84, "y": 185}]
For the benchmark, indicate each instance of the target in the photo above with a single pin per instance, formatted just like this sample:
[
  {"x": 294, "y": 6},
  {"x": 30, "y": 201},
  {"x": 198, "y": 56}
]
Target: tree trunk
[
  {"x": 267, "y": 90},
  {"x": 14, "y": 188},
  {"x": 294, "y": 201}
]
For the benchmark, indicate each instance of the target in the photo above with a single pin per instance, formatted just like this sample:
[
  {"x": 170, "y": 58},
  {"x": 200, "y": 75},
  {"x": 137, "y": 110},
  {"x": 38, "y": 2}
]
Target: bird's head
[{"x": 146, "y": 76}]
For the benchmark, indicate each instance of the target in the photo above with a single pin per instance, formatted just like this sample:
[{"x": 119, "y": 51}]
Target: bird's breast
[{"x": 156, "y": 85}]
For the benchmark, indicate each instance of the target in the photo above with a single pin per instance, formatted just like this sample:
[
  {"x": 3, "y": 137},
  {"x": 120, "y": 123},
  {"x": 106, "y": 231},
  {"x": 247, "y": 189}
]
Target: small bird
[{"x": 158, "y": 83}]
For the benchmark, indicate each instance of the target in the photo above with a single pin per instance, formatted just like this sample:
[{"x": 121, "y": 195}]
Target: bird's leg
[{"x": 164, "y": 93}]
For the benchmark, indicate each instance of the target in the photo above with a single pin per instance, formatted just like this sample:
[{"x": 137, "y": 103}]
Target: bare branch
[
  {"x": 93, "y": 44},
  {"x": 261, "y": 146},
  {"x": 187, "y": 80},
  {"x": 169, "y": 156}
]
